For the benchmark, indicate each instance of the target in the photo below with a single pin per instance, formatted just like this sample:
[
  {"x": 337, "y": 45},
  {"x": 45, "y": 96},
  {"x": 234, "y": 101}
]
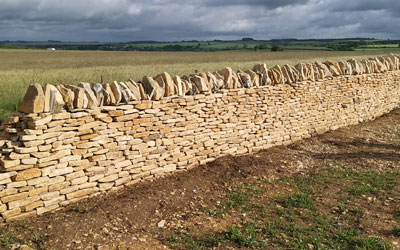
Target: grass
[
  {"x": 295, "y": 219},
  {"x": 19, "y": 68},
  {"x": 21, "y": 233}
]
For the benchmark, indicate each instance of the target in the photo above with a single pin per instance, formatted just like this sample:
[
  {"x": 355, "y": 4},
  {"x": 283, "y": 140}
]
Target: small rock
[{"x": 161, "y": 224}]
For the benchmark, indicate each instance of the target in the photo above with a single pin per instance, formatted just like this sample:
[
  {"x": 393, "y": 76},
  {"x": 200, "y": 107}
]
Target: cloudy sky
[{"x": 173, "y": 20}]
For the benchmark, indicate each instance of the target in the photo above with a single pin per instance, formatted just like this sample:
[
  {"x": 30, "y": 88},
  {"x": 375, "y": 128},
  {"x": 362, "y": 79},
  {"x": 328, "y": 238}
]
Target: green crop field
[{"x": 21, "y": 67}]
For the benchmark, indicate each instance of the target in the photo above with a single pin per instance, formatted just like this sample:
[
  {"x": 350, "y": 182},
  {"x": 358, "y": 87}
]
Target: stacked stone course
[{"x": 49, "y": 160}]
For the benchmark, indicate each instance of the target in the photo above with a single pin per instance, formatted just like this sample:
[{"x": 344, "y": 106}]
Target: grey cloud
[
  {"x": 270, "y": 4},
  {"x": 127, "y": 20}
]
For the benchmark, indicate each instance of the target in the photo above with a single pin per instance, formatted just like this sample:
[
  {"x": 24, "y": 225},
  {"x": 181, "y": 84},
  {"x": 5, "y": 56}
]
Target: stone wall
[{"x": 50, "y": 160}]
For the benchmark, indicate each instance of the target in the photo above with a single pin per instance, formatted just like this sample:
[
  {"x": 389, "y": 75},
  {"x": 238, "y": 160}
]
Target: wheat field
[{"x": 19, "y": 68}]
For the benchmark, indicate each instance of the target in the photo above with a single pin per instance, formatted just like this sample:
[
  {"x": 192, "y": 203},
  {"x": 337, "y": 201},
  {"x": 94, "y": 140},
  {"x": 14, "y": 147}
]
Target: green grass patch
[
  {"x": 294, "y": 220},
  {"x": 298, "y": 200}
]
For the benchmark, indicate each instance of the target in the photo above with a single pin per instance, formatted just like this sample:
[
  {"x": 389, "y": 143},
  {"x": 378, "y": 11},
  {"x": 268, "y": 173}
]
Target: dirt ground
[{"x": 140, "y": 216}]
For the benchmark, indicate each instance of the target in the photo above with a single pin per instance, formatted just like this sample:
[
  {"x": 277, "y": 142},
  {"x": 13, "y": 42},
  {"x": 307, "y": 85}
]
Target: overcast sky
[{"x": 173, "y": 20}]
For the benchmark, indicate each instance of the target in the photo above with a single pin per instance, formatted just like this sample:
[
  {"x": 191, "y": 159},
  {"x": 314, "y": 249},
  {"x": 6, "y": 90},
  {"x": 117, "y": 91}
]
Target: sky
[{"x": 176, "y": 20}]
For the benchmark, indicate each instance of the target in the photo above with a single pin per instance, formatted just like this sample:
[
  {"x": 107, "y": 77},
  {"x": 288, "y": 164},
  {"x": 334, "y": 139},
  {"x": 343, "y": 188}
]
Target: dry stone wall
[{"x": 49, "y": 160}]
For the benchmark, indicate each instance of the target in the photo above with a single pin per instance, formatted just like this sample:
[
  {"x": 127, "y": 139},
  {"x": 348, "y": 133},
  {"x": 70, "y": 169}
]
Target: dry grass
[{"x": 19, "y": 68}]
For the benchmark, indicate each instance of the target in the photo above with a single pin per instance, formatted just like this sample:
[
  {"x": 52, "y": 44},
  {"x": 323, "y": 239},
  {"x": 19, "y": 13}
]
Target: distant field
[{"x": 19, "y": 68}]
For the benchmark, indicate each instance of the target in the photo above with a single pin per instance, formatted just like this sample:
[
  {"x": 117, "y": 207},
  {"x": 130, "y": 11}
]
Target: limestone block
[
  {"x": 101, "y": 94},
  {"x": 166, "y": 82},
  {"x": 14, "y": 197},
  {"x": 34, "y": 100},
  {"x": 179, "y": 86},
  {"x": 10, "y": 213},
  {"x": 79, "y": 96},
  {"x": 111, "y": 100},
  {"x": 333, "y": 68},
  {"x": 91, "y": 97},
  {"x": 22, "y": 202},
  {"x": 127, "y": 95},
  {"x": 227, "y": 74},
  {"x": 67, "y": 95},
  {"x": 54, "y": 101},
  {"x": 82, "y": 192},
  {"x": 152, "y": 88},
  {"x": 134, "y": 88},
  {"x": 42, "y": 210},
  {"x": 27, "y": 174},
  {"x": 200, "y": 84},
  {"x": 6, "y": 164}
]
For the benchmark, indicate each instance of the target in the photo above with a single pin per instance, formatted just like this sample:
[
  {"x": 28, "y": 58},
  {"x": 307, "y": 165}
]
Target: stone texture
[
  {"x": 180, "y": 88},
  {"x": 111, "y": 100},
  {"x": 34, "y": 100},
  {"x": 79, "y": 96},
  {"x": 67, "y": 95},
  {"x": 166, "y": 82},
  {"x": 227, "y": 74},
  {"x": 27, "y": 174},
  {"x": 135, "y": 90},
  {"x": 152, "y": 88},
  {"x": 51, "y": 160},
  {"x": 54, "y": 101},
  {"x": 116, "y": 90},
  {"x": 91, "y": 97},
  {"x": 200, "y": 84}
]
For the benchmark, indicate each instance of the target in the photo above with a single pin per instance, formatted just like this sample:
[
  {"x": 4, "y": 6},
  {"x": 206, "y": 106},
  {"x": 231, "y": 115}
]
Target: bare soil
[{"x": 130, "y": 218}]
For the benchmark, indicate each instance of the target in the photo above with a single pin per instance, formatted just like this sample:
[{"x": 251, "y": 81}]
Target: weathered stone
[
  {"x": 166, "y": 82},
  {"x": 396, "y": 61},
  {"x": 116, "y": 89},
  {"x": 10, "y": 213},
  {"x": 100, "y": 93},
  {"x": 324, "y": 70},
  {"x": 6, "y": 164},
  {"x": 356, "y": 68},
  {"x": 245, "y": 80},
  {"x": 42, "y": 210},
  {"x": 178, "y": 83},
  {"x": 143, "y": 94},
  {"x": 111, "y": 98},
  {"x": 200, "y": 84},
  {"x": 14, "y": 197},
  {"x": 34, "y": 100},
  {"x": 187, "y": 87},
  {"x": 126, "y": 93},
  {"x": 7, "y": 175},
  {"x": 54, "y": 101},
  {"x": 81, "y": 193},
  {"x": 254, "y": 77},
  {"x": 27, "y": 174},
  {"x": 262, "y": 71},
  {"x": 276, "y": 75},
  {"x": 205, "y": 78},
  {"x": 333, "y": 68},
  {"x": 91, "y": 97},
  {"x": 152, "y": 88},
  {"x": 134, "y": 88},
  {"x": 219, "y": 80},
  {"x": 227, "y": 73},
  {"x": 79, "y": 96},
  {"x": 292, "y": 74},
  {"x": 67, "y": 95},
  {"x": 310, "y": 72}
]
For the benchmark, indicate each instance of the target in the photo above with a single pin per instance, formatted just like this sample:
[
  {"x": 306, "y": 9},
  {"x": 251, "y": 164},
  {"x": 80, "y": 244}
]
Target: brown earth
[{"x": 128, "y": 219}]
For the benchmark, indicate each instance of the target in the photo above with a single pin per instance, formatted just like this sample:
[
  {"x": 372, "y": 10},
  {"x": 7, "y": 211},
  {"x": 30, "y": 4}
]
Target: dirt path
[{"x": 133, "y": 218}]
